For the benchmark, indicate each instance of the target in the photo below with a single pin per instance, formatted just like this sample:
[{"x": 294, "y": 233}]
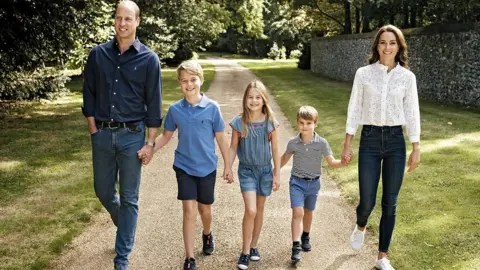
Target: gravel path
[{"x": 159, "y": 243}]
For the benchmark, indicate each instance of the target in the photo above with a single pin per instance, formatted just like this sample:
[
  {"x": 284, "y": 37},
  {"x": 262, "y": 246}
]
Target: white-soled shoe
[
  {"x": 384, "y": 264},
  {"x": 357, "y": 238}
]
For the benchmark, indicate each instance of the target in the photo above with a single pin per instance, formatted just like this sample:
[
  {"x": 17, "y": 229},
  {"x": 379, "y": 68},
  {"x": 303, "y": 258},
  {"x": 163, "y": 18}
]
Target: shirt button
[
  {"x": 114, "y": 93},
  {"x": 118, "y": 54},
  {"x": 116, "y": 80},
  {"x": 111, "y": 120},
  {"x": 113, "y": 106},
  {"x": 118, "y": 67}
]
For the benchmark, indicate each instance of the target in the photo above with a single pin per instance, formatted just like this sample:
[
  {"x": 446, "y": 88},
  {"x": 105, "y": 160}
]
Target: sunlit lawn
[
  {"x": 46, "y": 190},
  {"x": 438, "y": 225}
]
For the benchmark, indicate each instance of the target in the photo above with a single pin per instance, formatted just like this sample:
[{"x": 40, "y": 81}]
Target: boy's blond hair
[
  {"x": 307, "y": 113},
  {"x": 192, "y": 67}
]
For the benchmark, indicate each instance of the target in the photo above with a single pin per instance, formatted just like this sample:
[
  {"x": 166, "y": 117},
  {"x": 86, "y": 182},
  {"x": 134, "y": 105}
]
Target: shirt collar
[
  {"x": 204, "y": 100},
  {"x": 299, "y": 138},
  {"x": 383, "y": 67},
  {"x": 136, "y": 44}
]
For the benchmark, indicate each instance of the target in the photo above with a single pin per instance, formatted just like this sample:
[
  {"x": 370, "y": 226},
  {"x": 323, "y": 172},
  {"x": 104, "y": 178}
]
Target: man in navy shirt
[{"x": 121, "y": 97}]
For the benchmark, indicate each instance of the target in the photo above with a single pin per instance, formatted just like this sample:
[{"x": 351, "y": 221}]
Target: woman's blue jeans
[
  {"x": 382, "y": 150},
  {"x": 115, "y": 160}
]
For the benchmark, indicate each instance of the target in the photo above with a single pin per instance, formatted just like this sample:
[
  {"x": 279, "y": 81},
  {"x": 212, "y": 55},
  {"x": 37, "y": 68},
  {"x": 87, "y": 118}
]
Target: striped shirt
[{"x": 307, "y": 158}]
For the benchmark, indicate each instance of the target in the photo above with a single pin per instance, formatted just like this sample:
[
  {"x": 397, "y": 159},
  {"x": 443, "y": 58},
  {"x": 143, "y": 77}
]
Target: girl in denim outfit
[{"x": 255, "y": 141}]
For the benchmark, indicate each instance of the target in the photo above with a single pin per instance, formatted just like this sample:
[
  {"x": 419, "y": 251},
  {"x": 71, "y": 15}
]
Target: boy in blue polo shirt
[
  {"x": 307, "y": 150},
  {"x": 199, "y": 122}
]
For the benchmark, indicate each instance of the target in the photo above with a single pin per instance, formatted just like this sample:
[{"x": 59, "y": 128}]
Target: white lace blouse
[{"x": 382, "y": 98}]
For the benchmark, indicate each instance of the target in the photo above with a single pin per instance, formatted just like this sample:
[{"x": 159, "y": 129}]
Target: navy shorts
[{"x": 196, "y": 188}]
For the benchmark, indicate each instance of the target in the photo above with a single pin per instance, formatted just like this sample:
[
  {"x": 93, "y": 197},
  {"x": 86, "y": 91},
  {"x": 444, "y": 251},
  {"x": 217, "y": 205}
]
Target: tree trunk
[
  {"x": 405, "y": 15},
  {"x": 357, "y": 20},
  {"x": 348, "y": 18},
  {"x": 413, "y": 16},
  {"x": 366, "y": 17}
]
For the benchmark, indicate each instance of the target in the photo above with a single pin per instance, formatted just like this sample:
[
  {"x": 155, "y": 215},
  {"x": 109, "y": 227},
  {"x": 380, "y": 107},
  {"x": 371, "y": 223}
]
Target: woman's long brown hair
[{"x": 402, "y": 54}]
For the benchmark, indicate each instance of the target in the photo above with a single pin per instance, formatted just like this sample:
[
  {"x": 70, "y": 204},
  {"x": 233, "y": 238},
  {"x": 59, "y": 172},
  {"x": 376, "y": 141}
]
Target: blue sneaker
[
  {"x": 254, "y": 254},
  {"x": 243, "y": 261}
]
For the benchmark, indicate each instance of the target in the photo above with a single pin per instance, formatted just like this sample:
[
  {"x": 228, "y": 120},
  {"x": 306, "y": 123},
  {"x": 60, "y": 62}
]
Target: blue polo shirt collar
[{"x": 204, "y": 101}]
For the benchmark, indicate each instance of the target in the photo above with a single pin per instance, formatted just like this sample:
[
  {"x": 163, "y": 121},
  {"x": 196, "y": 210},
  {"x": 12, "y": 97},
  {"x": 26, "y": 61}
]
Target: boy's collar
[
  {"x": 204, "y": 100},
  {"x": 311, "y": 140}
]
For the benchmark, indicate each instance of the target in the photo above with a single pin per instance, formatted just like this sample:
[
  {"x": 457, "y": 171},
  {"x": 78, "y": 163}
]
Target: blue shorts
[
  {"x": 256, "y": 178},
  {"x": 304, "y": 193}
]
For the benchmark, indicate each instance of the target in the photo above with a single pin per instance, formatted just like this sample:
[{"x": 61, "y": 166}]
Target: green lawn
[
  {"x": 46, "y": 190},
  {"x": 438, "y": 207}
]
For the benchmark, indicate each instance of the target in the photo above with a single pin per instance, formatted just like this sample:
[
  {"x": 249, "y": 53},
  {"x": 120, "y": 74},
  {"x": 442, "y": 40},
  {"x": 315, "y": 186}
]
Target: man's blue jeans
[
  {"x": 382, "y": 150},
  {"x": 115, "y": 160}
]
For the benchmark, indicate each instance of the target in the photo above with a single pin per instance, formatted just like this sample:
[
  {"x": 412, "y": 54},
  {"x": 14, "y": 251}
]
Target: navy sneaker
[
  {"x": 119, "y": 266},
  {"x": 254, "y": 254},
  {"x": 208, "y": 243},
  {"x": 306, "y": 243},
  {"x": 296, "y": 254},
  {"x": 189, "y": 264},
  {"x": 243, "y": 261}
]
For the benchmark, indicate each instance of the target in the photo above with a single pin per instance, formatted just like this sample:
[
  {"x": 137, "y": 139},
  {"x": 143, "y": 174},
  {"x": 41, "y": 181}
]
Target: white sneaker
[
  {"x": 384, "y": 264},
  {"x": 357, "y": 238}
]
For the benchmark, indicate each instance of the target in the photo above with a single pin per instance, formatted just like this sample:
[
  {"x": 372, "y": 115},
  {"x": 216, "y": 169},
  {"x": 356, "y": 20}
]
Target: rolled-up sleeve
[
  {"x": 153, "y": 97},
  {"x": 89, "y": 88},
  {"x": 412, "y": 111},
  {"x": 355, "y": 105}
]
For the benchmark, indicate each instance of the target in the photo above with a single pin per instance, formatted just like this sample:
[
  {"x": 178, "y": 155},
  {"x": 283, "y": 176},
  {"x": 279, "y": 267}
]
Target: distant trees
[{"x": 40, "y": 38}]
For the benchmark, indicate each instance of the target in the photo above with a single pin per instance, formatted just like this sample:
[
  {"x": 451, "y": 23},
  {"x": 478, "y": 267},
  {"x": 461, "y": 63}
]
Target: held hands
[
  {"x": 413, "y": 160},
  {"x": 276, "y": 182},
  {"x": 145, "y": 154},
  {"x": 347, "y": 155},
  {"x": 228, "y": 175}
]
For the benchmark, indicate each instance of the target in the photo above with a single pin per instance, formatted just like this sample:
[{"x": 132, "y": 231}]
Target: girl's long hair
[
  {"x": 402, "y": 54},
  {"x": 266, "y": 109}
]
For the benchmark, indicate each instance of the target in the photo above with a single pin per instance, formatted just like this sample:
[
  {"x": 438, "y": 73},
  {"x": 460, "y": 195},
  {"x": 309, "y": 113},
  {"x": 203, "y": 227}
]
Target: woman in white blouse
[{"x": 384, "y": 98}]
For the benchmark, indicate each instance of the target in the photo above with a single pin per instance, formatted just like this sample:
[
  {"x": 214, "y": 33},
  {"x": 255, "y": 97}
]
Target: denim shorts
[
  {"x": 256, "y": 178},
  {"x": 304, "y": 193},
  {"x": 195, "y": 188}
]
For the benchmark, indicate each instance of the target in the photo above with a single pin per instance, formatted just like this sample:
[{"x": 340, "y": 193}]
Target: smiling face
[
  {"x": 126, "y": 21},
  {"x": 190, "y": 83},
  {"x": 306, "y": 127},
  {"x": 387, "y": 47},
  {"x": 254, "y": 100}
]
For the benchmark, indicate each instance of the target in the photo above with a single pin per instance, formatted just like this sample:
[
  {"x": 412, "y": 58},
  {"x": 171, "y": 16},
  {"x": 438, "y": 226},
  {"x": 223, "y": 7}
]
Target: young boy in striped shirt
[{"x": 307, "y": 149}]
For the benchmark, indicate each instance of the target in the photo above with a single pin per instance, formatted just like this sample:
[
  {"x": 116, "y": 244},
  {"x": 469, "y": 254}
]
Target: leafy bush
[
  {"x": 45, "y": 83},
  {"x": 276, "y": 52},
  {"x": 295, "y": 54}
]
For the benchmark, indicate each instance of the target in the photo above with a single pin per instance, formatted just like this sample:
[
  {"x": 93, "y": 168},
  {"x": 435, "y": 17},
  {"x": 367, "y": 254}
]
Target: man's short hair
[
  {"x": 133, "y": 4},
  {"x": 307, "y": 113},
  {"x": 192, "y": 67}
]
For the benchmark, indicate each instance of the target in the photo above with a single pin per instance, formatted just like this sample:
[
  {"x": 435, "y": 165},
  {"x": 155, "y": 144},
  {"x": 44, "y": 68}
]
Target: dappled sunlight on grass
[
  {"x": 438, "y": 206},
  {"x": 9, "y": 165}
]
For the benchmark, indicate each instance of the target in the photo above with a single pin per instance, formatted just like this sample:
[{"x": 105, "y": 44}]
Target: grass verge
[
  {"x": 437, "y": 214},
  {"x": 46, "y": 190}
]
